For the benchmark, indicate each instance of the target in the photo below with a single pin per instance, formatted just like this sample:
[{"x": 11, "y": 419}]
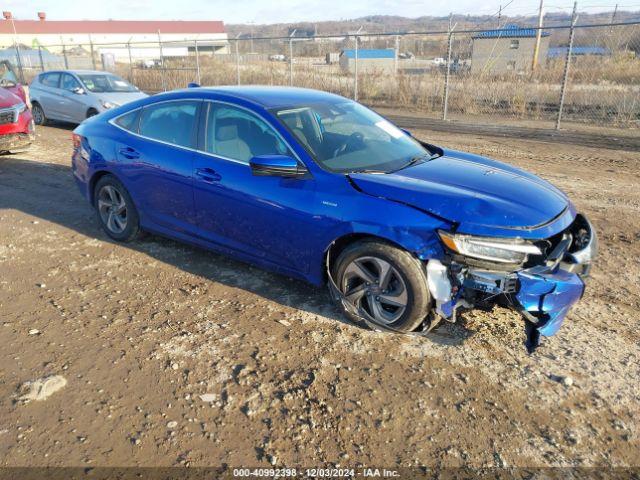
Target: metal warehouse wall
[{"x": 495, "y": 55}]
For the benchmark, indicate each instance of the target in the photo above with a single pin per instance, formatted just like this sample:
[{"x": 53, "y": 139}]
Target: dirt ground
[{"x": 140, "y": 332}]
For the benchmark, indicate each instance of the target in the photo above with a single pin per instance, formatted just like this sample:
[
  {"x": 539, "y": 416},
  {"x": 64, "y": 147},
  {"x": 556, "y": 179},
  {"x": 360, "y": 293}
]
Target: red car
[{"x": 16, "y": 124}]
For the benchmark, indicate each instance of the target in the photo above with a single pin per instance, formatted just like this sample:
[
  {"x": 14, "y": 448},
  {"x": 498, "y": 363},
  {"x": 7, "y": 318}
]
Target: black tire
[
  {"x": 410, "y": 270},
  {"x": 91, "y": 112},
  {"x": 126, "y": 231},
  {"x": 39, "y": 118}
]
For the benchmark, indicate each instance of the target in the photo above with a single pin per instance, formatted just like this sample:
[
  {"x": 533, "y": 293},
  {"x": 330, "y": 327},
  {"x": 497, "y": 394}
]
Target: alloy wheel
[
  {"x": 113, "y": 209},
  {"x": 375, "y": 286},
  {"x": 38, "y": 115}
]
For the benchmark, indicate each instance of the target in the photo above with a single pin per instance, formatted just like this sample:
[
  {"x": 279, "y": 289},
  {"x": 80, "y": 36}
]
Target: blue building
[{"x": 379, "y": 60}]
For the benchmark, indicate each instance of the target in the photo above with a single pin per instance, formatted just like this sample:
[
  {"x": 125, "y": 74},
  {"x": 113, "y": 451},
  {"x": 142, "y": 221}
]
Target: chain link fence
[{"x": 585, "y": 75}]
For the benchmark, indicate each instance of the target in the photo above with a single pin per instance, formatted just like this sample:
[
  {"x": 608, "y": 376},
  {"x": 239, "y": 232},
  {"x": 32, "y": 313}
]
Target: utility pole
[
  {"x": 613, "y": 17},
  {"x": 355, "y": 70},
  {"x": 40, "y": 55},
  {"x": 238, "y": 59},
  {"x": 499, "y": 15},
  {"x": 251, "y": 32},
  {"x": 397, "y": 52},
  {"x": 16, "y": 46},
  {"x": 445, "y": 101},
  {"x": 93, "y": 56},
  {"x": 536, "y": 48},
  {"x": 355, "y": 65},
  {"x": 130, "y": 61},
  {"x": 64, "y": 53},
  {"x": 565, "y": 76},
  {"x": 163, "y": 71},
  {"x": 195, "y": 44},
  {"x": 291, "y": 56}
]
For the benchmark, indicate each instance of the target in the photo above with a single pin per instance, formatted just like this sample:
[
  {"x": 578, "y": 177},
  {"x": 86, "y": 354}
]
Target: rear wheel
[
  {"x": 116, "y": 212},
  {"x": 91, "y": 112},
  {"x": 38, "y": 115},
  {"x": 387, "y": 284}
]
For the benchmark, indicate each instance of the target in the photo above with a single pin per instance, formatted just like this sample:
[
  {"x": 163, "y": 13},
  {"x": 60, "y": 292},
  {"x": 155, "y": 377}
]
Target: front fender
[{"x": 367, "y": 216}]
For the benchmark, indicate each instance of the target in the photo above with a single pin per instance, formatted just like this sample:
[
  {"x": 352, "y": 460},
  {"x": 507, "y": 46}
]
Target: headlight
[
  {"x": 108, "y": 105},
  {"x": 21, "y": 107},
  {"x": 486, "y": 248}
]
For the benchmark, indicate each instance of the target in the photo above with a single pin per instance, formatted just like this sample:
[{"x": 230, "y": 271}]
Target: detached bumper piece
[
  {"x": 542, "y": 293},
  {"x": 545, "y": 300}
]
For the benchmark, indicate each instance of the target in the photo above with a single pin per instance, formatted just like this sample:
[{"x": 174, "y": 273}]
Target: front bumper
[
  {"x": 545, "y": 299},
  {"x": 543, "y": 293},
  {"x": 17, "y": 135},
  {"x": 15, "y": 141}
]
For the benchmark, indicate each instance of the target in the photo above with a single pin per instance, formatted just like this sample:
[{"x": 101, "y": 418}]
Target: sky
[{"x": 272, "y": 11}]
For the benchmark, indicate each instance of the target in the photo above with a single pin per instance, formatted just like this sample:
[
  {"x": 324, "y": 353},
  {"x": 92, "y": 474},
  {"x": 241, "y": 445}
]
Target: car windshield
[
  {"x": 7, "y": 76},
  {"x": 102, "y": 83},
  {"x": 347, "y": 137}
]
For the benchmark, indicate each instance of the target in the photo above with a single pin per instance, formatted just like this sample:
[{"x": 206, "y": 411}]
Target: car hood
[
  {"x": 470, "y": 190},
  {"x": 9, "y": 97},
  {"x": 120, "y": 98}
]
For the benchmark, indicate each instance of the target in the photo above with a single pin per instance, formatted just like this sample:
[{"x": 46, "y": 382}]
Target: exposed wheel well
[
  {"x": 94, "y": 180},
  {"x": 334, "y": 250},
  {"x": 91, "y": 111}
]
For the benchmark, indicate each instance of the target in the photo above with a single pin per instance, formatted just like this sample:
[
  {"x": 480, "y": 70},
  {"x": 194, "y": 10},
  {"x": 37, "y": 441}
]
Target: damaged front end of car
[{"x": 541, "y": 279}]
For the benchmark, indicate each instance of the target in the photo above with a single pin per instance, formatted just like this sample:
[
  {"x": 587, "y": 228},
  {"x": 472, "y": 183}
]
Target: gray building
[
  {"x": 369, "y": 60},
  {"x": 508, "y": 49}
]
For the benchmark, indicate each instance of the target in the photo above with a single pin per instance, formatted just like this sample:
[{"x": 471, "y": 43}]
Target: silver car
[{"x": 74, "y": 95}]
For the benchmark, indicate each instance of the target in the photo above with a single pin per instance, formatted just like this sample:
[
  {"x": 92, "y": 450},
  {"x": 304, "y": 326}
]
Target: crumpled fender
[{"x": 548, "y": 297}]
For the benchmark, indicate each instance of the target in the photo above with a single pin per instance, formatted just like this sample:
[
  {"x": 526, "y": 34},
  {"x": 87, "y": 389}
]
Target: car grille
[{"x": 8, "y": 115}]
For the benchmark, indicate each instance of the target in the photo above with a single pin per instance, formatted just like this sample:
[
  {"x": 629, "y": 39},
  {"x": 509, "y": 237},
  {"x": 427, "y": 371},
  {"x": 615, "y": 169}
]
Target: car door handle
[
  {"x": 208, "y": 175},
  {"x": 130, "y": 153}
]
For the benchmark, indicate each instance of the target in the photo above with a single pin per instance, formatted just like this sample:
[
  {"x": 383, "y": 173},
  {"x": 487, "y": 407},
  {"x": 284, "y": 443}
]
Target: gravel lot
[{"x": 142, "y": 332}]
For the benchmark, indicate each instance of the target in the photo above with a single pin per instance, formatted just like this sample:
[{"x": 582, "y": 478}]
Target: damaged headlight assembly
[
  {"x": 541, "y": 280},
  {"x": 489, "y": 249}
]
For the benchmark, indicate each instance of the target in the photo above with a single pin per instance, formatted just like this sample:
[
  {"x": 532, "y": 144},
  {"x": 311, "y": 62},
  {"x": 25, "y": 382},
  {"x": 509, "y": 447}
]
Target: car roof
[
  {"x": 76, "y": 72},
  {"x": 274, "y": 96}
]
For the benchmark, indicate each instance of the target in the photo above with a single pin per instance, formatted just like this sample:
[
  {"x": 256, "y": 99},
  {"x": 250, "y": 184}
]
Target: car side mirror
[
  {"x": 276, "y": 166},
  {"x": 78, "y": 91}
]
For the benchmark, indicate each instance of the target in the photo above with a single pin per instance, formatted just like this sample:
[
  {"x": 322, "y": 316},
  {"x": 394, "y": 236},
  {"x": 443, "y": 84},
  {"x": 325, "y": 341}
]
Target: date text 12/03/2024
[{"x": 365, "y": 472}]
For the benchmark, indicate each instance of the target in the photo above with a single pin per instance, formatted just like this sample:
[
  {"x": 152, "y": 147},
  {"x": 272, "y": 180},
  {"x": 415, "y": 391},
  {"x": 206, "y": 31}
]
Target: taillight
[
  {"x": 78, "y": 147},
  {"x": 77, "y": 140}
]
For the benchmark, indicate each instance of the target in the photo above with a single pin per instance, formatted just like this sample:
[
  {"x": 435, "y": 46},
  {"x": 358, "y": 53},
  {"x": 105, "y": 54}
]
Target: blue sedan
[{"x": 318, "y": 187}]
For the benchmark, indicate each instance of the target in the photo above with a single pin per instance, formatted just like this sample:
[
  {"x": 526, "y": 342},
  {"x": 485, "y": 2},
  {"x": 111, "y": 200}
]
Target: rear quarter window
[{"x": 128, "y": 121}]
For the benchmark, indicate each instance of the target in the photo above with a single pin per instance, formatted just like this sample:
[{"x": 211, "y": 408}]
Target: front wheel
[
  {"x": 385, "y": 283},
  {"x": 38, "y": 115},
  {"x": 116, "y": 212}
]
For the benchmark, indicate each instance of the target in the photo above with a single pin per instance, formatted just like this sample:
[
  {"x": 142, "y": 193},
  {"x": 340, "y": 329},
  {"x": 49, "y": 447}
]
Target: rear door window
[
  {"x": 50, "y": 80},
  {"x": 171, "y": 122}
]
